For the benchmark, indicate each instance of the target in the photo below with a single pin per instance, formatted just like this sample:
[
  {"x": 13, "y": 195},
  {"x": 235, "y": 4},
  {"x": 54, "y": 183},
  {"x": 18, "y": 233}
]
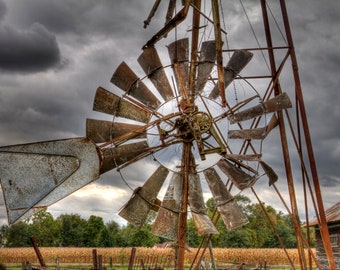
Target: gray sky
[{"x": 54, "y": 54}]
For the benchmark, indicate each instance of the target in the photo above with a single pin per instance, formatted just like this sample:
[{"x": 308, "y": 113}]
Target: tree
[
  {"x": 115, "y": 232},
  {"x": 72, "y": 230},
  {"x": 93, "y": 228},
  {"x": 135, "y": 237},
  {"x": 18, "y": 235},
  {"x": 44, "y": 229}
]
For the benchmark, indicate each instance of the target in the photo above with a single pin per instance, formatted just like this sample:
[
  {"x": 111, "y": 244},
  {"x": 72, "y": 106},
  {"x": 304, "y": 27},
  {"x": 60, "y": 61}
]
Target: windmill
[{"x": 180, "y": 115}]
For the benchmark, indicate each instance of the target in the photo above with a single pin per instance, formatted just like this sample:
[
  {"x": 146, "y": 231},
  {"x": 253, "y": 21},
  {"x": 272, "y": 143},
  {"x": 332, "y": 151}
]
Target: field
[{"x": 118, "y": 258}]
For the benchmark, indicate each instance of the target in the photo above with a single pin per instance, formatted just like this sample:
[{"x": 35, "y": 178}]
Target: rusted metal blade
[
  {"x": 39, "y": 174},
  {"x": 240, "y": 179},
  {"x": 240, "y": 157},
  {"x": 277, "y": 103},
  {"x": 203, "y": 223},
  {"x": 128, "y": 81},
  {"x": 237, "y": 62},
  {"x": 109, "y": 103},
  {"x": 100, "y": 131},
  {"x": 206, "y": 63},
  {"x": 229, "y": 210},
  {"x": 254, "y": 133},
  {"x": 152, "y": 66},
  {"x": 143, "y": 200},
  {"x": 269, "y": 172},
  {"x": 116, "y": 156},
  {"x": 166, "y": 221},
  {"x": 179, "y": 56}
]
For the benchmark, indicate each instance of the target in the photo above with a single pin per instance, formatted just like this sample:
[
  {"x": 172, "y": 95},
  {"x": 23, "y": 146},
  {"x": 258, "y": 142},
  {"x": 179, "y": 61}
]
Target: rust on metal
[
  {"x": 176, "y": 20},
  {"x": 202, "y": 221},
  {"x": 236, "y": 63},
  {"x": 101, "y": 131},
  {"x": 206, "y": 63},
  {"x": 107, "y": 102},
  {"x": 274, "y": 104},
  {"x": 232, "y": 215},
  {"x": 115, "y": 156},
  {"x": 240, "y": 179},
  {"x": 179, "y": 56},
  {"x": 138, "y": 207},
  {"x": 254, "y": 133},
  {"x": 37, "y": 252},
  {"x": 166, "y": 221},
  {"x": 150, "y": 62},
  {"x": 269, "y": 172},
  {"x": 219, "y": 58},
  {"x": 128, "y": 81},
  {"x": 62, "y": 167}
]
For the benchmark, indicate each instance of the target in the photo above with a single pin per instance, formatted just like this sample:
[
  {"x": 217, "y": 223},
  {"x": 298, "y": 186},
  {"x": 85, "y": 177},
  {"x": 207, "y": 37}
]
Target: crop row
[{"x": 122, "y": 255}]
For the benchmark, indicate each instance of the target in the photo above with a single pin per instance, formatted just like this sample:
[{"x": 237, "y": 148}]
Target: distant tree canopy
[{"x": 71, "y": 230}]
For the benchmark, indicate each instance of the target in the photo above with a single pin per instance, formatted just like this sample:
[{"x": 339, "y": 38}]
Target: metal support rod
[
  {"x": 298, "y": 90},
  {"x": 288, "y": 168},
  {"x": 219, "y": 58},
  {"x": 187, "y": 166},
  {"x": 37, "y": 251},
  {"x": 194, "y": 50}
]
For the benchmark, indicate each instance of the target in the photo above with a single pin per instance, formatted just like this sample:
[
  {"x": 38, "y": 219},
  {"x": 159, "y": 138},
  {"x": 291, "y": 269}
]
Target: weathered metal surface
[
  {"x": 109, "y": 103},
  {"x": 254, "y": 133},
  {"x": 152, "y": 66},
  {"x": 240, "y": 179},
  {"x": 39, "y": 174},
  {"x": 240, "y": 157},
  {"x": 269, "y": 172},
  {"x": 128, "y": 81},
  {"x": 203, "y": 223},
  {"x": 277, "y": 103},
  {"x": 116, "y": 156},
  {"x": 332, "y": 215},
  {"x": 166, "y": 221},
  {"x": 179, "y": 56},
  {"x": 206, "y": 63},
  {"x": 138, "y": 207},
  {"x": 236, "y": 63},
  {"x": 229, "y": 210},
  {"x": 101, "y": 131}
]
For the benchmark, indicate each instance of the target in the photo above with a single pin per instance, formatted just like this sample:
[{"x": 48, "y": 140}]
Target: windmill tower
[{"x": 182, "y": 115}]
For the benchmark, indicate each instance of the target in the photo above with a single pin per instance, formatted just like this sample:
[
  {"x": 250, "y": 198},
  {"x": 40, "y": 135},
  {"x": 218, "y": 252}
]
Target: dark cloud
[{"x": 32, "y": 50}]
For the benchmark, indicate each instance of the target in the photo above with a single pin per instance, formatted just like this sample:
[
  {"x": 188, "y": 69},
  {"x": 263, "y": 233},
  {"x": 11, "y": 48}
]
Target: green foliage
[{"x": 74, "y": 231}]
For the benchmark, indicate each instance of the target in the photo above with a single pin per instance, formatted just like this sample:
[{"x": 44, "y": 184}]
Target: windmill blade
[
  {"x": 254, "y": 133},
  {"x": 203, "y": 223},
  {"x": 100, "y": 131},
  {"x": 269, "y": 172},
  {"x": 128, "y": 81},
  {"x": 275, "y": 104},
  {"x": 166, "y": 221},
  {"x": 143, "y": 200},
  {"x": 152, "y": 66},
  {"x": 116, "y": 156},
  {"x": 236, "y": 63},
  {"x": 179, "y": 56},
  {"x": 205, "y": 64},
  {"x": 39, "y": 174},
  {"x": 228, "y": 208},
  {"x": 240, "y": 179},
  {"x": 109, "y": 103}
]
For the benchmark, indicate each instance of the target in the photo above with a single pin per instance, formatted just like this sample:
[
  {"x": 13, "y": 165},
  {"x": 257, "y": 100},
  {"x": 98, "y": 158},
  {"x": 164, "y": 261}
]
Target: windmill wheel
[{"x": 187, "y": 133}]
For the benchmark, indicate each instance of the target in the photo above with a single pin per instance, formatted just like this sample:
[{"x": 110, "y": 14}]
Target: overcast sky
[{"x": 54, "y": 54}]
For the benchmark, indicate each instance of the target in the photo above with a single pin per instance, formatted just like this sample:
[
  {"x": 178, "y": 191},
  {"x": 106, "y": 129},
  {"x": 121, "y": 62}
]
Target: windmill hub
[{"x": 195, "y": 125}]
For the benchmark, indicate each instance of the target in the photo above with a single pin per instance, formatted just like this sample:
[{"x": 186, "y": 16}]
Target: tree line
[{"x": 71, "y": 230}]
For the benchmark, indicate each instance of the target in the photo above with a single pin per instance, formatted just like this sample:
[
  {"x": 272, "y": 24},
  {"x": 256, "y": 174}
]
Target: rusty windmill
[{"x": 180, "y": 115}]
